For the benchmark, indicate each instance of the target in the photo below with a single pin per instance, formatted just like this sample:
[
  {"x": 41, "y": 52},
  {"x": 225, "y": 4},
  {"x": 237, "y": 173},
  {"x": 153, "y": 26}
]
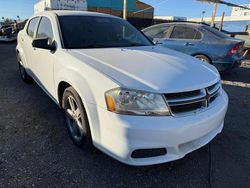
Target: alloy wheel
[{"x": 74, "y": 119}]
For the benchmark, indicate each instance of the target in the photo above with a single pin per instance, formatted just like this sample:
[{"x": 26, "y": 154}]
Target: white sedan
[{"x": 139, "y": 103}]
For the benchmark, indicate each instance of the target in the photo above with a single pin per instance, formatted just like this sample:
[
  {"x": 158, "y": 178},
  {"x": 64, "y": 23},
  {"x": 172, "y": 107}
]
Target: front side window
[
  {"x": 157, "y": 32},
  {"x": 45, "y": 29},
  {"x": 32, "y": 26},
  {"x": 99, "y": 32},
  {"x": 182, "y": 32}
]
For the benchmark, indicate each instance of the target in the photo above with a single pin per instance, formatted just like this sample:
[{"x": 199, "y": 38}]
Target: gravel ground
[{"x": 35, "y": 150}]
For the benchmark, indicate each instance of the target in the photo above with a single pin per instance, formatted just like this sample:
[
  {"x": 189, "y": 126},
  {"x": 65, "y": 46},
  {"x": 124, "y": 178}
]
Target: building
[
  {"x": 115, "y": 7},
  {"x": 237, "y": 22},
  {"x": 240, "y": 12}
]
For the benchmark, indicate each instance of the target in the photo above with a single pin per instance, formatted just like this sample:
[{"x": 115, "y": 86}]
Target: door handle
[
  {"x": 189, "y": 44},
  {"x": 158, "y": 42}
]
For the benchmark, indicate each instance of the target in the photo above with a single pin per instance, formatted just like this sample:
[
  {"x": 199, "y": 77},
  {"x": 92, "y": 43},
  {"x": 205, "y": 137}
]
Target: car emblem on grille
[{"x": 207, "y": 98}]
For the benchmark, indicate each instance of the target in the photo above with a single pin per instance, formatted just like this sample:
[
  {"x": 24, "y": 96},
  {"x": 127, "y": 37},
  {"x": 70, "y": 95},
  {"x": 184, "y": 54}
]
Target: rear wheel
[
  {"x": 76, "y": 119},
  {"x": 22, "y": 71},
  {"x": 203, "y": 58}
]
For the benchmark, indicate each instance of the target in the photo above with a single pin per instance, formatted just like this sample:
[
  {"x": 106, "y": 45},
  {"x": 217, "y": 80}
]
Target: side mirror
[{"x": 44, "y": 43}]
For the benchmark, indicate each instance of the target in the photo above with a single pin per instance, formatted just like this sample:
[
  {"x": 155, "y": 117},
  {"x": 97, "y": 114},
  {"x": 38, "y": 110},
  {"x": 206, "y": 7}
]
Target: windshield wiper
[
  {"x": 136, "y": 44},
  {"x": 86, "y": 46}
]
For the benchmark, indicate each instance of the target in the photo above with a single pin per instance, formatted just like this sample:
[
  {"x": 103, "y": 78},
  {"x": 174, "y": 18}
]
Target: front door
[{"x": 43, "y": 59}]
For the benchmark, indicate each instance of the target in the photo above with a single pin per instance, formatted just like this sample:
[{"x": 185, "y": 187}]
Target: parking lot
[{"x": 35, "y": 149}]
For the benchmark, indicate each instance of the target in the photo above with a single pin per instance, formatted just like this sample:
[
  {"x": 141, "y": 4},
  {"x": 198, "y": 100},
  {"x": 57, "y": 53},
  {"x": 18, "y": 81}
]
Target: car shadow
[{"x": 240, "y": 74}]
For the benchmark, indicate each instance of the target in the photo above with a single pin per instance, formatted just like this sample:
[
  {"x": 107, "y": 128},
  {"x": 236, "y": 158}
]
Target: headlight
[{"x": 132, "y": 102}]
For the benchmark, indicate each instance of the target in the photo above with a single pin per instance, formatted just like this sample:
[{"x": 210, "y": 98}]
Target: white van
[{"x": 43, "y": 5}]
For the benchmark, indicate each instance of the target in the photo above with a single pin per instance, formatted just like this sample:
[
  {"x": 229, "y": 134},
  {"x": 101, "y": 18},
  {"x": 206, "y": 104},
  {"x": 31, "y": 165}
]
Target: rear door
[{"x": 184, "y": 39}]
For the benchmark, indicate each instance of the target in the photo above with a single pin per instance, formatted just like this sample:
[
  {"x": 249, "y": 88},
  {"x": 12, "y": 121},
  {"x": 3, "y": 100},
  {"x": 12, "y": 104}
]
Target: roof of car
[
  {"x": 184, "y": 23},
  {"x": 73, "y": 13},
  {"x": 194, "y": 24}
]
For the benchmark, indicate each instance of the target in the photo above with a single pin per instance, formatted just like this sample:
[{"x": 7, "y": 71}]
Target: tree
[{"x": 7, "y": 20}]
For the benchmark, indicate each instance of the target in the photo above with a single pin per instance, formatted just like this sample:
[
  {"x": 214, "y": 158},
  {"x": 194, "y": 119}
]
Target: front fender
[
  {"x": 88, "y": 82},
  {"x": 74, "y": 79}
]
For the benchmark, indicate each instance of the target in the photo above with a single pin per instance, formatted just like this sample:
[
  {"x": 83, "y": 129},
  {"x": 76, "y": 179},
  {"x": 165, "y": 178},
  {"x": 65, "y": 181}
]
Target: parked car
[
  {"x": 200, "y": 41},
  {"x": 9, "y": 32},
  {"x": 139, "y": 103},
  {"x": 6, "y": 31}
]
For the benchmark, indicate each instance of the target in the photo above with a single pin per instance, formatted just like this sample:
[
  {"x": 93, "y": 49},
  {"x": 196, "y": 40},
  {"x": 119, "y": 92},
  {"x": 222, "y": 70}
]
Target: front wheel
[
  {"x": 22, "y": 71},
  {"x": 203, "y": 58},
  {"x": 76, "y": 119}
]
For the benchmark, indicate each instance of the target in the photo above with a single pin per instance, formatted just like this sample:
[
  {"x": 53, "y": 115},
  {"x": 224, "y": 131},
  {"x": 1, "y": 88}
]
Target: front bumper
[{"x": 120, "y": 135}]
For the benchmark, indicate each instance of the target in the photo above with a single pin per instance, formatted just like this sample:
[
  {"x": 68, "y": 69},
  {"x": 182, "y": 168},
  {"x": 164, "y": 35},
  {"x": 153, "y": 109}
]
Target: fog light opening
[{"x": 148, "y": 153}]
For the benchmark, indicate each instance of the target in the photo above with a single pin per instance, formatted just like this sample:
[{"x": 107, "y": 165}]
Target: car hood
[{"x": 150, "y": 68}]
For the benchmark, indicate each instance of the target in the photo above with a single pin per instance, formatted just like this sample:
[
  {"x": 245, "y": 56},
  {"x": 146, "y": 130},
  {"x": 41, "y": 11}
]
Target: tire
[
  {"x": 22, "y": 71},
  {"x": 203, "y": 58},
  {"x": 76, "y": 119}
]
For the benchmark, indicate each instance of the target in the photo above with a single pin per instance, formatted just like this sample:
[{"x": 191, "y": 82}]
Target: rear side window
[
  {"x": 215, "y": 32},
  {"x": 157, "y": 32},
  {"x": 182, "y": 32},
  {"x": 32, "y": 26},
  {"x": 198, "y": 35},
  {"x": 45, "y": 29}
]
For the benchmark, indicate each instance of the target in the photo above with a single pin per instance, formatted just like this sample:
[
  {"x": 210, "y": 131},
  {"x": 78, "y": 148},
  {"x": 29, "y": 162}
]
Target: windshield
[{"x": 99, "y": 32}]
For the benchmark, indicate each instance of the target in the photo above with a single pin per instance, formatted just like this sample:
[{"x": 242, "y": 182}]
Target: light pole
[
  {"x": 125, "y": 9},
  {"x": 202, "y": 16},
  {"x": 214, "y": 13}
]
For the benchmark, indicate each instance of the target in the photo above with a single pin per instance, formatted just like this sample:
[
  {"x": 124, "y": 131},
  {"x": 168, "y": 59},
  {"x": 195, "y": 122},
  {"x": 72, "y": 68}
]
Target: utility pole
[
  {"x": 214, "y": 13},
  {"x": 221, "y": 22},
  {"x": 202, "y": 16},
  {"x": 125, "y": 9}
]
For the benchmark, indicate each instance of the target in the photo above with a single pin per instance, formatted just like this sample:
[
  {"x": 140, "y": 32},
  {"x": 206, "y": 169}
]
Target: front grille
[
  {"x": 214, "y": 88},
  {"x": 188, "y": 94},
  {"x": 192, "y": 101},
  {"x": 187, "y": 107},
  {"x": 213, "y": 98}
]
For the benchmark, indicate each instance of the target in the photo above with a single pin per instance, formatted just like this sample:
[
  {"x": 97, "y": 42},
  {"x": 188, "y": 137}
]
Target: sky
[{"x": 186, "y": 8}]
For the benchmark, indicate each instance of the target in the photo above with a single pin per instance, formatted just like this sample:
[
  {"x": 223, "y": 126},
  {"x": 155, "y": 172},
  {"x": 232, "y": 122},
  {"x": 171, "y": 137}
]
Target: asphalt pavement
[{"x": 35, "y": 149}]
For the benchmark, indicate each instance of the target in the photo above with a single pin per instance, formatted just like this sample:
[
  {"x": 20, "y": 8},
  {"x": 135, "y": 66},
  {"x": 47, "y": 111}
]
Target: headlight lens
[{"x": 132, "y": 102}]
